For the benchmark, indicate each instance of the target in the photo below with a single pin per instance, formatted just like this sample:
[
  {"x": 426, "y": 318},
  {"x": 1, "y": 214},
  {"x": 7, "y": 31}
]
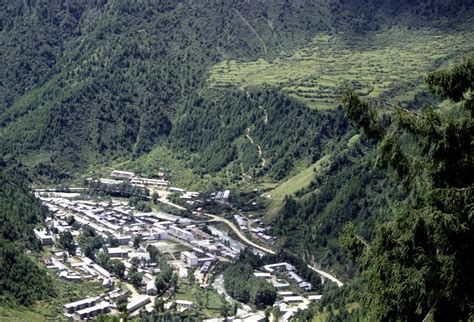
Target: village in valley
[{"x": 150, "y": 261}]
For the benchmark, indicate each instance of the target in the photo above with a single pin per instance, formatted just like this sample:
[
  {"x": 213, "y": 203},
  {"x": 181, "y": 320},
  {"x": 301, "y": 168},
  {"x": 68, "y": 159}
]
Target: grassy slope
[
  {"x": 389, "y": 63},
  {"x": 293, "y": 184}
]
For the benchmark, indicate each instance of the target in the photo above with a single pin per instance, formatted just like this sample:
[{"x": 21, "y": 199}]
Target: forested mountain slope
[
  {"x": 22, "y": 281},
  {"x": 85, "y": 82}
]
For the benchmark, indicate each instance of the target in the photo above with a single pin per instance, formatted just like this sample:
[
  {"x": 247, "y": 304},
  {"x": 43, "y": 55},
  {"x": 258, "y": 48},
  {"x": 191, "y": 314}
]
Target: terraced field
[{"x": 389, "y": 65}]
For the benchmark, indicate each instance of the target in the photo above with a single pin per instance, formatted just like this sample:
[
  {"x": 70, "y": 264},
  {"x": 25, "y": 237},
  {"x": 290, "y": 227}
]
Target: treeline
[
  {"x": 84, "y": 83},
  {"x": 22, "y": 280}
]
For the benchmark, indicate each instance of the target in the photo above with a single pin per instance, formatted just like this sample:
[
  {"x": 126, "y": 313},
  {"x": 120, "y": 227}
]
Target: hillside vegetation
[
  {"x": 248, "y": 94},
  {"x": 87, "y": 84},
  {"x": 22, "y": 281},
  {"x": 388, "y": 65}
]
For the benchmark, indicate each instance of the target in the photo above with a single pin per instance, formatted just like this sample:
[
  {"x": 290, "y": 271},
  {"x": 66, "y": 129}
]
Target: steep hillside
[
  {"x": 85, "y": 83},
  {"x": 22, "y": 281},
  {"x": 347, "y": 189}
]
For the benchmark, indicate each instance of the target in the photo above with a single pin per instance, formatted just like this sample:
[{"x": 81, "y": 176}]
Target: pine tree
[{"x": 420, "y": 264}]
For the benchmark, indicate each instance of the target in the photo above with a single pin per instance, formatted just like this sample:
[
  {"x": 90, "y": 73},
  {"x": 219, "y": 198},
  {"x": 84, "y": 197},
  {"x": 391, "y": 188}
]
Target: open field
[{"x": 390, "y": 64}]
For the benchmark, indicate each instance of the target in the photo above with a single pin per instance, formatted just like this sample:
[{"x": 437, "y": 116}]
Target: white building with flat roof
[
  {"x": 183, "y": 304},
  {"x": 117, "y": 252},
  {"x": 158, "y": 234},
  {"x": 266, "y": 276},
  {"x": 189, "y": 258},
  {"x": 93, "y": 311},
  {"x": 180, "y": 233},
  {"x": 124, "y": 240},
  {"x": 81, "y": 304},
  {"x": 44, "y": 237},
  {"x": 279, "y": 266}
]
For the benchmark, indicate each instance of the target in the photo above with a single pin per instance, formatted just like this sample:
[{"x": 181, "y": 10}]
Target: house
[
  {"x": 315, "y": 298},
  {"x": 266, "y": 276},
  {"x": 189, "y": 258},
  {"x": 285, "y": 293},
  {"x": 44, "y": 237},
  {"x": 102, "y": 271},
  {"x": 287, "y": 316},
  {"x": 117, "y": 252},
  {"x": 178, "y": 190},
  {"x": 140, "y": 301},
  {"x": 293, "y": 299},
  {"x": 226, "y": 194},
  {"x": 124, "y": 240},
  {"x": 158, "y": 234},
  {"x": 108, "y": 282},
  {"x": 90, "y": 312},
  {"x": 180, "y": 233},
  {"x": 205, "y": 268},
  {"x": 252, "y": 317},
  {"x": 151, "y": 288},
  {"x": 281, "y": 267},
  {"x": 280, "y": 284},
  {"x": 183, "y": 305},
  {"x": 149, "y": 182},
  {"x": 305, "y": 286},
  {"x": 292, "y": 275},
  {"x": 79, "y": 305}
]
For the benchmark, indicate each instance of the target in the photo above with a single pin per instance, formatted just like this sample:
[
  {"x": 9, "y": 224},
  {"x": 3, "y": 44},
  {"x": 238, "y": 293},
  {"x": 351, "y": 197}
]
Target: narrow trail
[
  {"x": 253, "y": 30},
  {"x": 265, "y": 115},
  {"x": 263, "y": 161}
]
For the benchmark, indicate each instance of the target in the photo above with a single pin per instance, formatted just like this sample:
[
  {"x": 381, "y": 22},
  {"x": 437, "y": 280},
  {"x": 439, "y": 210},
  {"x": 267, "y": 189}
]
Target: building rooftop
[
  {"x": 81, "y": 302},
  {"x": 100, "y": 306}
]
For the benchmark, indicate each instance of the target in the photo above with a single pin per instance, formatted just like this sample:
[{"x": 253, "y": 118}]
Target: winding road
[
  {"x": 267, "y": 250},
  {"x": 239, "y": 233}
]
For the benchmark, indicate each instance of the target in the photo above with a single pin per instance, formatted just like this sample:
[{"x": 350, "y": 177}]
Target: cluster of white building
[
  {"x": 289, "y": 303},
  {"x": 93, "y": 306},
  {"x": 290, "y": 271}
]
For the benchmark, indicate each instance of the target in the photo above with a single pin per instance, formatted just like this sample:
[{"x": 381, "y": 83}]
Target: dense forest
[
  {"x": 222, "y": 120},
  {"x": 418, "y": 265},
  {"x": 350, "y": 189},
  {"x": 84, "y": 83},
  {"x": 22, "y": 281}
]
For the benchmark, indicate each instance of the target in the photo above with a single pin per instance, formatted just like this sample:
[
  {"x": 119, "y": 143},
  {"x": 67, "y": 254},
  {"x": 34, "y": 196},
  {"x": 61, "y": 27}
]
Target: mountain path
[
  {"x": 253, "y": 30},
  {"x": 259, "y": 148}
]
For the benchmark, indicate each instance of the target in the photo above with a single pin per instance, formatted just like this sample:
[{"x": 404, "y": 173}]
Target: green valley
[{"x": 303, "y": 160}]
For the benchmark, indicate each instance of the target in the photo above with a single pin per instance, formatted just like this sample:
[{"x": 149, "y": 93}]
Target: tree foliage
[
  {"x": 419, "y": 263},
  {"x": 22, "y": 281},
  {"x": 245, "y": 287}
]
